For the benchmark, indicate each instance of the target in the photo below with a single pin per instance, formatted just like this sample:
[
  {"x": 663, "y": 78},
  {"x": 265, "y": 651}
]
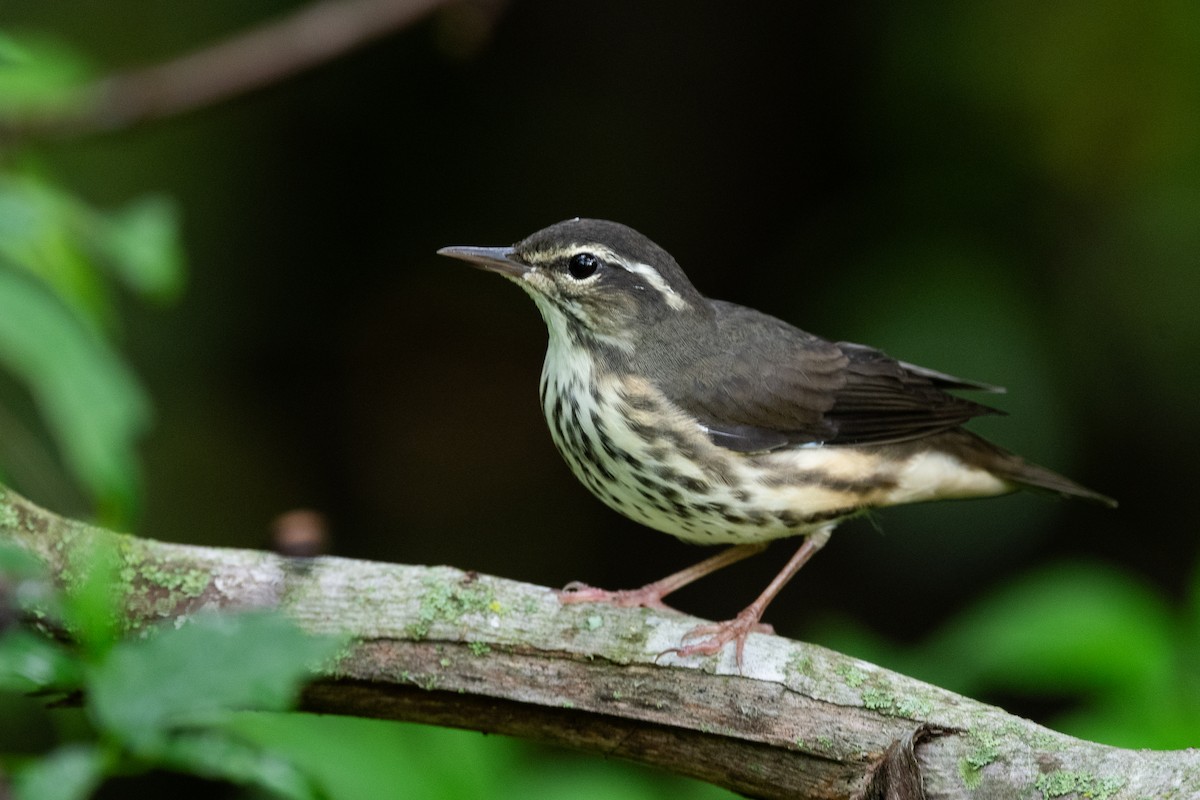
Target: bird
[{"x": 719, "y": 424}]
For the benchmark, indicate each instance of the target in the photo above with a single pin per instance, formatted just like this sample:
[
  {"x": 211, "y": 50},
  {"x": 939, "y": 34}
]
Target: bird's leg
[
  {"x": 737, "y": 629},
  {"x": 651, "y": 595}
]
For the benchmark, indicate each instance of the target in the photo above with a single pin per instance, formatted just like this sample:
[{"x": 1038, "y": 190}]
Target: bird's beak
[{"x": 496, "y": 259}]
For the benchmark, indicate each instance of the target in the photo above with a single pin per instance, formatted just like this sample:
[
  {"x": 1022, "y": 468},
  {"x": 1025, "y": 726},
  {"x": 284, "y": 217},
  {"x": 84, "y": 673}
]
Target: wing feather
[{"x": 772, "y": 385}]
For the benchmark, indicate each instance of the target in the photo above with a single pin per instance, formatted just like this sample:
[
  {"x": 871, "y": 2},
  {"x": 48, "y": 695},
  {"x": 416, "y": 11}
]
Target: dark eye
[{"x": 582, "y": 265}]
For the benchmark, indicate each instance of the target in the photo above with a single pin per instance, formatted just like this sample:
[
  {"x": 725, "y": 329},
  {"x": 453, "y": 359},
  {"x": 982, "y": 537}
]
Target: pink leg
[
  {"x": 737, "y": 629},
  {"x": 651, "y": 595}
]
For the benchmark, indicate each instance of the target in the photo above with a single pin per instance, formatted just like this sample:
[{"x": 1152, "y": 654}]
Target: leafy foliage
[
  {"x": 362, "y": 758},
  {"x": 160, "y": 700},
  {"x": 39, "y": 76},
  {"x": 60, "y": 261}
]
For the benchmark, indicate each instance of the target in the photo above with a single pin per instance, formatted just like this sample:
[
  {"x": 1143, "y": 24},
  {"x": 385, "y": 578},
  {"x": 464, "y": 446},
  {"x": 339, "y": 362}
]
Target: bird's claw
[
  {"x": 646, "y": 597},
  {"x": 720, "y": 634}
]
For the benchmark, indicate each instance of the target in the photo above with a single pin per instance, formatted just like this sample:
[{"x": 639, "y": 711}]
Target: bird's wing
[
  {"x": 944, "y": 381},
  {"x": 765, "y": 384}
]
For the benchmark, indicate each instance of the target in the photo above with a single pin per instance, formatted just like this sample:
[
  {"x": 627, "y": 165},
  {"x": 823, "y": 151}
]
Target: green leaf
[
  {"x": 90, "y": 605},
  {"x": 17, "y": 563},
  {"x": 29, "y": 662},
  {"x": 141, "y": 244},
  {"x": 91, "y": 401},
  {"x": 1156, "y": 720},
  {"x": 70, "y": 245},
  {"x": 352, "y": 757},
  {"x": 1073, "y": 628},
  {"x": 197, "y": 674},
  {"x": 216, "y": 754},
  {"x": 39, "y": 76},
  {"x": 1192, "y": 611},
  {"x": 54, "y": 341},
  {"x": 23, "y": 577},
  {"x": 69, "y": 773},
  {"x": 42, "y": 232}
]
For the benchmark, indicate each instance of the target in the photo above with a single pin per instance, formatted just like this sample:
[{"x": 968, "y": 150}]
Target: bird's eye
[{"x": 583, "y": 265}]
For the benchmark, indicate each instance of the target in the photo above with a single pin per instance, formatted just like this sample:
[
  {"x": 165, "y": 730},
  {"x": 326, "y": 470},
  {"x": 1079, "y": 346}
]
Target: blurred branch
[
  {"x": 442, "y": 646},
  {"x": 248, "y": 60}
]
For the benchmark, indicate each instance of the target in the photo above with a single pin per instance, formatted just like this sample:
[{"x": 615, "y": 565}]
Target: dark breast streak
[{"x": 647, "y": 460}]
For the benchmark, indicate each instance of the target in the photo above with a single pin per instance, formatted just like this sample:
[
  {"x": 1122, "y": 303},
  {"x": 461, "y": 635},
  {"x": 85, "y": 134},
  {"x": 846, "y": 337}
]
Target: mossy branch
[{"x": 447, "y": 647}]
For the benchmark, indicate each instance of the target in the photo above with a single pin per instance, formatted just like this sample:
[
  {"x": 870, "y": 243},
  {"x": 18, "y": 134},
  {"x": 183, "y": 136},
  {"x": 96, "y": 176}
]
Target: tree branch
[
  {"x": 442, "y": 646},
  {"x": 248, "y": 60}
]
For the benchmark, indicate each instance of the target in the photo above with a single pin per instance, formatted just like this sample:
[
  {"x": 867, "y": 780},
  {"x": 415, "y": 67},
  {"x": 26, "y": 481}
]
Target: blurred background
[{"x": 1009, "y": 192}]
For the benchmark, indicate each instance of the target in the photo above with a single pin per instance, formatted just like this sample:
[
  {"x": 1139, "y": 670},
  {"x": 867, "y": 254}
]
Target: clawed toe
[
  {"x": 646, "y": 597},
  {"x": 578, "y": 592},
  {"x": 718, "y": 634},
  {"x": 712, "y": 636},
  {"x": 719, "y": 630}
]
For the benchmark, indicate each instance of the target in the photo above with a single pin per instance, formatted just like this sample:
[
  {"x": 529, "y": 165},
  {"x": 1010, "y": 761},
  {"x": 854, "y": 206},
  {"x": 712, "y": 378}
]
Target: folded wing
[{"x": 785, "y": 387}]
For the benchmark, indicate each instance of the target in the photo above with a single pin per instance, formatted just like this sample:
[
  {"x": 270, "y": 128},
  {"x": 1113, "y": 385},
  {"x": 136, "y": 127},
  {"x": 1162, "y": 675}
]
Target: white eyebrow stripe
[
  {"x": 649, "y": 273},
  {"x": 656, "y": 280}
]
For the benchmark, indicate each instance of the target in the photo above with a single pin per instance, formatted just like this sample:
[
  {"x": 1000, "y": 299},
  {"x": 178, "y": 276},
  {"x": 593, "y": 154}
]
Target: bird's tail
[{"x": 1012, "y": 467}]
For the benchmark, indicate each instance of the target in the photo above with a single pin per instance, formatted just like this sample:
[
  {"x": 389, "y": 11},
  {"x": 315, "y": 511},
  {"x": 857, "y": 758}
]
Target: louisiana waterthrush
[{"x": 719, "y": 424}]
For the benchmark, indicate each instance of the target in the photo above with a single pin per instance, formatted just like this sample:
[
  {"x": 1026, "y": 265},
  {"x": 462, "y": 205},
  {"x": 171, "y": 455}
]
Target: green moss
[
  {"x": 914, "y": 707},
  {"x": 444, "y": 601},
  {"x": 987, "y": 742},
  {"x": 800, "y": 664},
  {"x": 853, "y": 676},
  {"x": 420, "y": 680},
  {"x": 878, "y": 700},
  {"x": 1062, "y": 782},
  {"x": 153, "y": 588},
  {"x": 334, "y": 667},
  {"x": 186, "y": 582},
  {"x": 879, "y": 695},
  {"x": 985, "y": 747},
  {"x": 9, "y": 518},
  {"x": 1039, "y": 739},
  {"x": 479, "y": 648},
  {"x": 972, "y": 776}
]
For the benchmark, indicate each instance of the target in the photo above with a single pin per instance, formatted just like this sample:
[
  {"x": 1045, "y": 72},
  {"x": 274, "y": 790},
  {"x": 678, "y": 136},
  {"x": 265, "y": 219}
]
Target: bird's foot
[
  {"x": 649, "y": 596},
  {"x": 719, "y": 634}
]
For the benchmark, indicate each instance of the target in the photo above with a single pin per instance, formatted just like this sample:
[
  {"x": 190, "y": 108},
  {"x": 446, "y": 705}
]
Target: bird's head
[{"x": 592, "y": 278}]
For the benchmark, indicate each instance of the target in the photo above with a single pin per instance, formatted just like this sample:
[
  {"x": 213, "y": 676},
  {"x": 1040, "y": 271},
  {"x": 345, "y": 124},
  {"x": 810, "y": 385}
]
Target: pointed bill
[{"x": 495, "y": 259}]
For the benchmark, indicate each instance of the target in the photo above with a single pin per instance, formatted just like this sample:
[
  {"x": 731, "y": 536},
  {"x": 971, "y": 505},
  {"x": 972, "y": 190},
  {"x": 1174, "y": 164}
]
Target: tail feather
[
  {"x": 1039, "y": 478},
  {"x": 1012, "y": 467}
]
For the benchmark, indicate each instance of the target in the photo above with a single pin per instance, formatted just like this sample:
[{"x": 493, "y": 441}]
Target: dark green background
[{"x": 1005, "y": 191}]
